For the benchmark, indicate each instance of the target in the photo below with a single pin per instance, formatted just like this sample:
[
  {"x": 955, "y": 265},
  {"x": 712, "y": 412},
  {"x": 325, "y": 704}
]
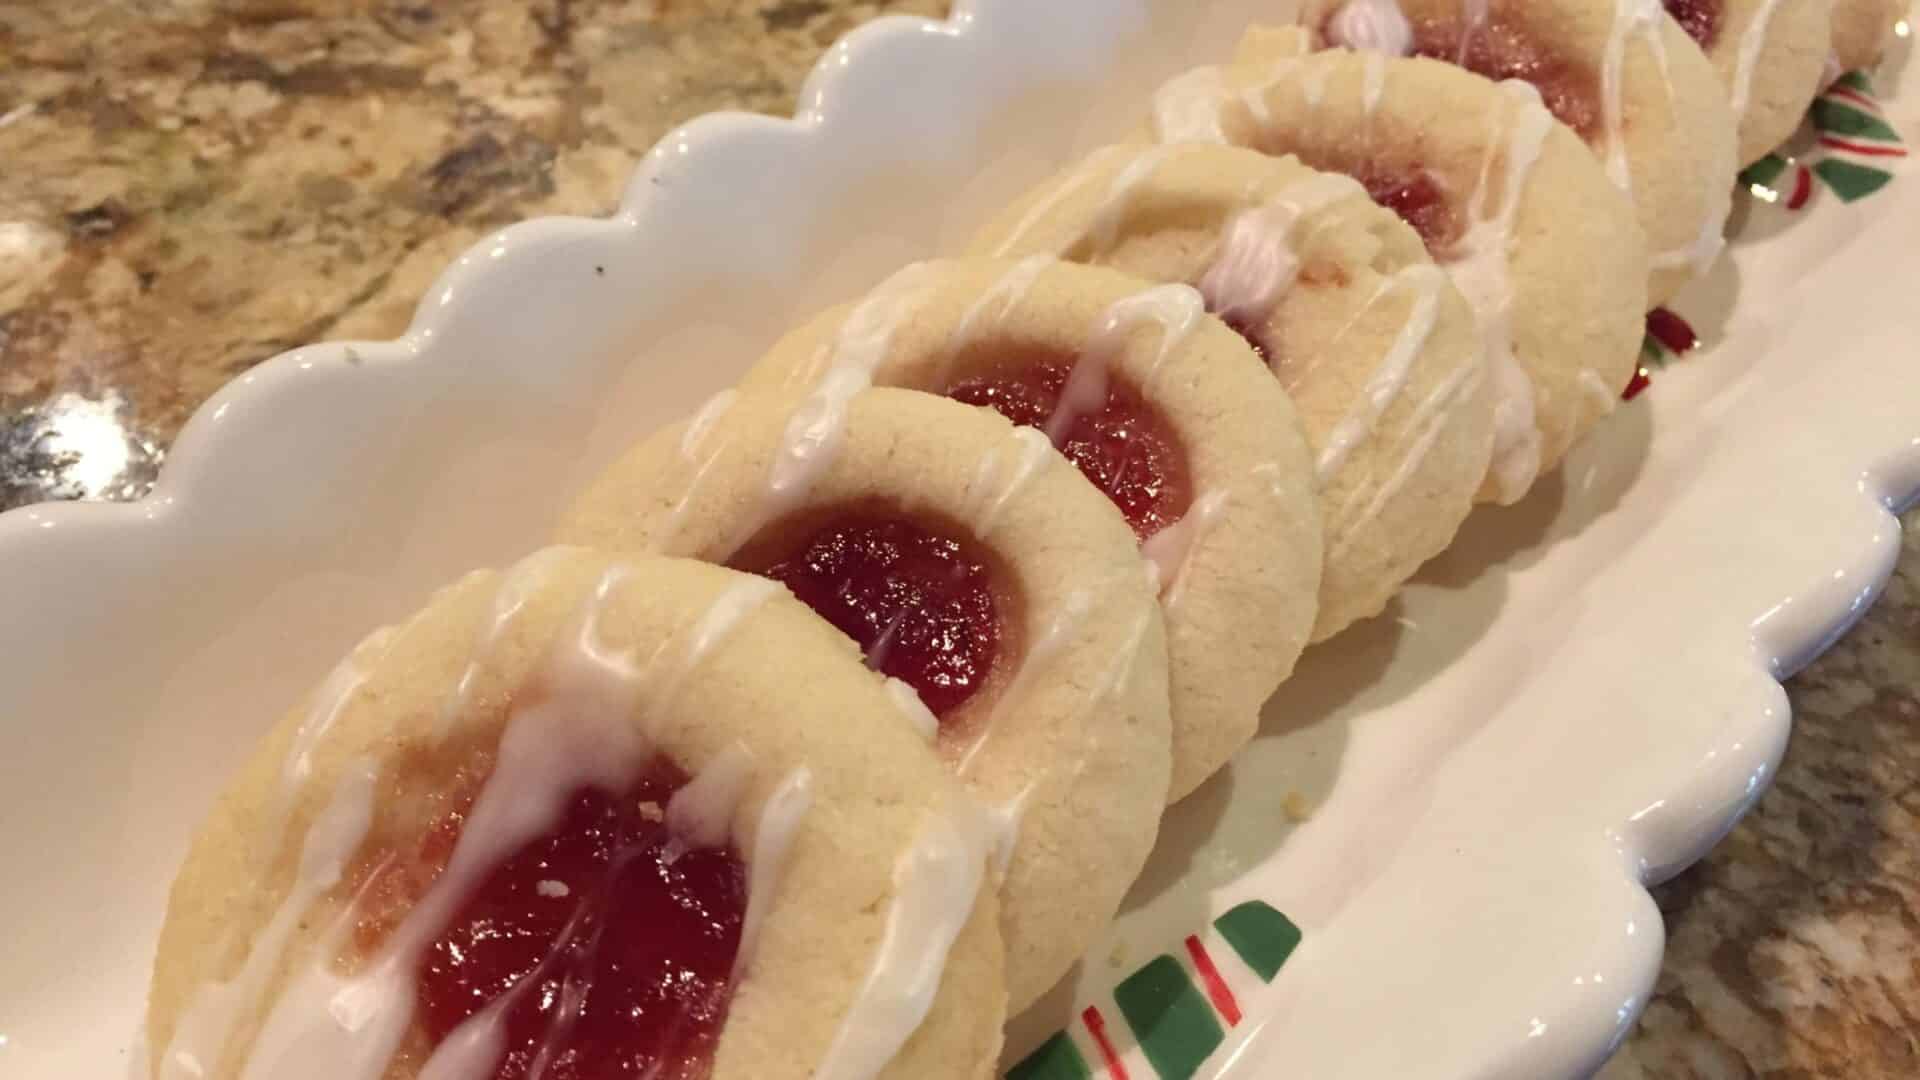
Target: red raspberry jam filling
[
  {"x": 1125, "y": 446},
  {"x": 919, "y": 600},
  {"x": 616, "y": 942},
  {"x": 1501, "y": 50},
  {"x": 1699, "y": 18},
  {"x": 1417, "y": 197}
]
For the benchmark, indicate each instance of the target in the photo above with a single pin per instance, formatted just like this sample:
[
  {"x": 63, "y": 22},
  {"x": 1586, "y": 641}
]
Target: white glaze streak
[
  {"x": 1255, "y": 264},
  {"x": 1390, "y": 378},
  {"x": 1482, "y": 269},
  {"x": 935, "y": 883},
  {"x": 580, "y": 734},
  {"x": 1752, "y": 42},
  {"x": 205, "y": 1027},
  {"x": 1372, "y": 25}
]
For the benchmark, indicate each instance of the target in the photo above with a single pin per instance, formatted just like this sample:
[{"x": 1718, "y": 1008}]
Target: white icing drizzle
[
  {"x": 1255, "y": 263},
  {"x": 1473, "y": 18},
  {"x": 1003, "y": 824},
  {"x": 1373, "y": 25},
  {"x": 701, "y": 451},
  {"x": 907, "y": 700},
  {"x": 1428, "y": 422},
  {"x": 1482, "y": 269},
  {"x": 814, "y": 433},
  {"x": 1104, "y": 227},
  {"x": 700, "y": 814},
  {"x": 206, "y": 1025},
  {"x": 1175, "y": 309},
  {"x": 580, "y": 734},
  {"x": 1002, "y": 472},
  {"x": 773, "y": 837},
  {"x": 998, "y": 301},
  {"x": 1390, "y": 378},
  {"x": 1752, "y": 41},
  {"x": 336, "y": 691},
  {"x": 1061, "y": 629},
  {"x": 1631, "y": 18},
  {"x": 935, "y": 883},
  {"x": 1170, "y": 550},
  {"x": 1707, "y": 245},
  {"x": 1189, "y": 107},
  {"x": 1596, "y": 388},
  {"x": 516, "y": 587},
  {"x": 1373, "y": 81},
  {"x": 1089, "y": 169}
]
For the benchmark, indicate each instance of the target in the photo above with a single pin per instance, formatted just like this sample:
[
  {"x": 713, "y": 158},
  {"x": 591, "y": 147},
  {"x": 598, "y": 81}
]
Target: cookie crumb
[
  {"x": 652, "y": 812},
  {"x": 552, "y": 890},
  {"x": 1297, "y": 807}
]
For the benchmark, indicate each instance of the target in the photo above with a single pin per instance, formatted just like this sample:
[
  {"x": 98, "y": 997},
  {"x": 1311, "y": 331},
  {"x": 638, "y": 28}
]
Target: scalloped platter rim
[{"x": 1448, "y": 823}]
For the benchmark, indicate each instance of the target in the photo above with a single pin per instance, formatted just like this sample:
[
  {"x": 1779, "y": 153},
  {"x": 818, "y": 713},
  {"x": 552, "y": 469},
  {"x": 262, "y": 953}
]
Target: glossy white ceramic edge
[{"x": 319, "y": 463}]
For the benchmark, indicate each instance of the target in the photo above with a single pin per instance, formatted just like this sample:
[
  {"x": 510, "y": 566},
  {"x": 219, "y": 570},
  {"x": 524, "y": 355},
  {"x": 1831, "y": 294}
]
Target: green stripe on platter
[
  {"x": 1057, "y": 1059},
  {"x": 1838, "y": 118},
  {"x": 1263, "y": 937},
  {"x": 1765, "y": 171},
  {"x": 1856, "y": 80},
  {"x": 1169, "y": 1017},
  {"x": 1850, "y": 181}
]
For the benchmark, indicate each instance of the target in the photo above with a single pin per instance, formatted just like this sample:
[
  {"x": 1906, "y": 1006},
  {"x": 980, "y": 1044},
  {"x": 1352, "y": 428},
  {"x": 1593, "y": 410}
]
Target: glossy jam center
[
  {"x": 613, "y": 942},
  {"x": 1500, "y": 50},
  {"x": 1417, "y": 198},
  {"x": 1699, "y": 18},
  {"x": 920, "y": 602},
  {"x": 1122, "y": 444}
]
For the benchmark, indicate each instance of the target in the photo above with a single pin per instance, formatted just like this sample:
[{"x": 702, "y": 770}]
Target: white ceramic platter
[{"x": 1579, "y": 698}]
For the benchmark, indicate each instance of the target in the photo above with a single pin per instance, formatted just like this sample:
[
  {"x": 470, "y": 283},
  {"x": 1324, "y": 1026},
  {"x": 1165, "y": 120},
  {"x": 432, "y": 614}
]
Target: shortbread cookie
[
  {"x": 1375, "y": 346},
  {"x": 1862, "y": 32},
  {"x": 1163, "y": 408},
  {"x": 576, "y": 820},
  {"x": 975, "y": 565},
  {"x": 1507, "y": 199},
  {"x": 1621, "y": 73},
  {"x": 1772, "y": 56}
]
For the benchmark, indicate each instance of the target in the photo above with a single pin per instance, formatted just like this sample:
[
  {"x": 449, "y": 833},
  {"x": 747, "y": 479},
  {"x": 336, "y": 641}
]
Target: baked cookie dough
[
  {"x": 1165, "y": 410},
  {"x": 1862, "y": 33},
  {"x": 975, "y": 565},
  {"x": 577, "y": 814},
  {"x": 1620, "y": 73},
  {"x": 1507, "y": 199},
  {"x": 1375, "y": 346},
  {"x": 1772, "y": 55}
]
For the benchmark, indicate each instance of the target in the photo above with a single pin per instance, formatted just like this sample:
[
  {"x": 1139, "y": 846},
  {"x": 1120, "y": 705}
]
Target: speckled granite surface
[{"x": 188, "y": 188}]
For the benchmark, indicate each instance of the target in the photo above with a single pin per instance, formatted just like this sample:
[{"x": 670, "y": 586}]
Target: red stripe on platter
[
  {"x": 1860, "y": 148},
  {"x": 1671, "y": 331},
  {"x": 1853, "y": 98},
  {"x": 1097, "y": 1027},
  {"x": 1802, "y": 187},
  {"x": 1217, "y": 989}
]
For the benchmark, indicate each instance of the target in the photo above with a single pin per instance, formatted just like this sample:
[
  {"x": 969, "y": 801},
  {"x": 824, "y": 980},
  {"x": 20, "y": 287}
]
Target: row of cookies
[{"x": 856, "y": 696}]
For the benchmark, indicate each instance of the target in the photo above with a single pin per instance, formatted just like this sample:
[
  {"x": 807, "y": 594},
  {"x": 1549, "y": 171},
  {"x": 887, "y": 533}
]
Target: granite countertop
[{"x": 189, "y": 188}]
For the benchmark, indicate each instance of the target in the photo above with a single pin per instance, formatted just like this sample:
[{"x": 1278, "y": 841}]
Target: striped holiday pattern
[
  {"x": 1162, "y": 1021},
  {"x": 1855, "y": 150},
  {"x": 1668, "y": 337}
]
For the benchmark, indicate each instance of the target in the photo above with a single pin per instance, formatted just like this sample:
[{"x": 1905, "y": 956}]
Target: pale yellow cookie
[
  {"x": 1621, "y": 73},
  {"x": 1863, "y": 31},
  {"x": 980, "y": 569},
  {"x": 1508, "y": 200},
  {"x": 614, "y": 811},
  {"x": 1166, "y": 410},
  {"x": 1375, "y": 346},
  {"x": 1772, "y": 55}
]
